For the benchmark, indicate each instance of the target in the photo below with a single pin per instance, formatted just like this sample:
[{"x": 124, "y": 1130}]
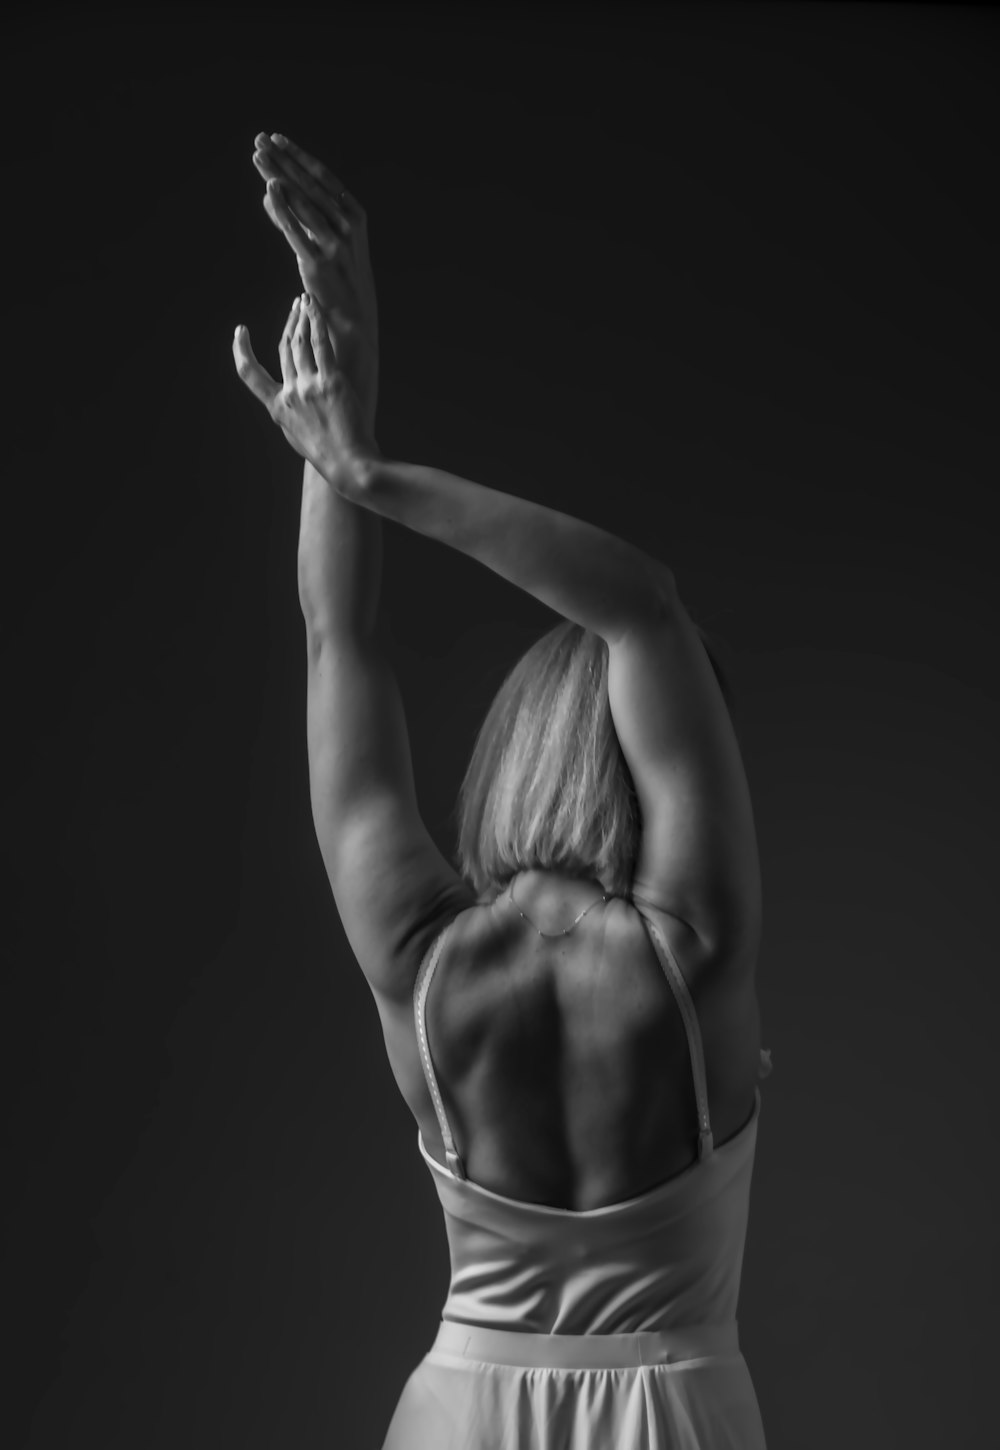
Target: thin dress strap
[
  {"x": 680, "y": 989},
  {"x": 423, "y": 982}
]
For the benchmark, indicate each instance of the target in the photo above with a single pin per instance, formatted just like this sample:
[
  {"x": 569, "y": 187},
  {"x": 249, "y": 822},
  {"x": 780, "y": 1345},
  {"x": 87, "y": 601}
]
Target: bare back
[{"x": 563, "y": 1061}]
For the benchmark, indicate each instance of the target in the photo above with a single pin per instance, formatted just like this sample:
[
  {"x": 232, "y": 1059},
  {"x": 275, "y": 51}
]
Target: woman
[{"x": 584, "y": 1074}]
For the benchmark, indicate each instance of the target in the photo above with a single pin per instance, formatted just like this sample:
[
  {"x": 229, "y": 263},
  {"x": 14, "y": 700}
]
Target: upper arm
[
  {"x": 698, "y": 851},
  {"x": 390, "y": 882}
]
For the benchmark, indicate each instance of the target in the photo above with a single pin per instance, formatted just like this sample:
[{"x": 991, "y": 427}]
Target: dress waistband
[{"x": 585, "y": 1351}]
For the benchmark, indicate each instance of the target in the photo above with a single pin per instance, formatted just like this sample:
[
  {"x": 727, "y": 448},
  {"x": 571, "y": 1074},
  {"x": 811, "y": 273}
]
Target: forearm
[
  {"x": 340, "y": 543},
  {"x": 339, "y": 562},
  {"x": 359, "y": 362},
  {"x": 584, "y": 573}
]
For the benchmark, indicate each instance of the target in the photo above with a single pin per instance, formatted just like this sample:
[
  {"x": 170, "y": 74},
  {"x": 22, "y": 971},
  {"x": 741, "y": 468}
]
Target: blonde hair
[{"x": 547, "y": 786}]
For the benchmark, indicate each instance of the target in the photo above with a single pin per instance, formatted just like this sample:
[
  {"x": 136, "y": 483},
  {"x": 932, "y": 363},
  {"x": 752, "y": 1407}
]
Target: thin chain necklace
[{"x": 583, "y": 913}]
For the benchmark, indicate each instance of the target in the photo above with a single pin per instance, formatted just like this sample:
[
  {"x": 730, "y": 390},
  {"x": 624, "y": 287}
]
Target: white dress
[{"x": 605, "y": 1329}]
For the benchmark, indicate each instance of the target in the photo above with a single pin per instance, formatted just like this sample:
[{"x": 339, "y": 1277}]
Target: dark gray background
[{"x": 720, "y": 278}]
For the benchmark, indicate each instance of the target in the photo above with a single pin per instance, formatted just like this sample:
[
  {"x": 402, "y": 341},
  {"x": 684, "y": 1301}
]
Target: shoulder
[{"x": 641, "y": 917}]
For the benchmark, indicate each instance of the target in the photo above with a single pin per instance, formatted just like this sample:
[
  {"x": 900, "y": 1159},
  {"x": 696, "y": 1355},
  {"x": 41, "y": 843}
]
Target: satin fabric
[{"x": 612, "y": 1327}]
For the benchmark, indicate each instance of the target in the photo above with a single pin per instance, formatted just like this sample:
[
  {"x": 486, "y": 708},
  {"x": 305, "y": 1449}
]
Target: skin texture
[
  {"x": 325, "y": 402},
  {"x": 612, "y": 1120},
  {"x": 324, "y": 405},
  {"x": 314, "y": 405},
  {"x": 326, "y": 228},
  {"x": 326, "y": 231}
]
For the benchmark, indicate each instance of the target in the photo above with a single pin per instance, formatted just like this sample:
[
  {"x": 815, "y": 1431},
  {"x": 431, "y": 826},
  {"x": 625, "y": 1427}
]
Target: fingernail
[{"x": 278, "y": 139}]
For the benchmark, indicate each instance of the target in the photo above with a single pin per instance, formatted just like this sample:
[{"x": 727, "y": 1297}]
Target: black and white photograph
[{"x": 501, "y": 653}]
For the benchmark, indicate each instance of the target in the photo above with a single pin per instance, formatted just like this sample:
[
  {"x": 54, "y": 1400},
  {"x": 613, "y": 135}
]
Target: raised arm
[
  {"x": 326, "y": 229},
  {"x": 580, "y": 571},
  {"x": 698, "y": 857},
  {"x": 390, "y": 882},
  {"x": 584, "y": 573}
]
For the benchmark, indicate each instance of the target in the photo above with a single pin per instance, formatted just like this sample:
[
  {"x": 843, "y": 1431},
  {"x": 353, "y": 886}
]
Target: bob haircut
[{"x": 547, "y": 786}]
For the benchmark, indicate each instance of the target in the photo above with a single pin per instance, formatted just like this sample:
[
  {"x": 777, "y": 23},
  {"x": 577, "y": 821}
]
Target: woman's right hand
[{"x": 327, "y": 229}]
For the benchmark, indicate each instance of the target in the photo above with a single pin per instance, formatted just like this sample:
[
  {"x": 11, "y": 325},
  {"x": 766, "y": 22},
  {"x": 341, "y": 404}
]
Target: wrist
[
  {"x": 350, "y": 474},
  {"x": 364, "y": 469}
]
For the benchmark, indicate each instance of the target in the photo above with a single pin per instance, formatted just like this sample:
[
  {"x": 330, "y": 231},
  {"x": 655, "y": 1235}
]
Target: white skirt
[{"x": 492, "y": 1389}]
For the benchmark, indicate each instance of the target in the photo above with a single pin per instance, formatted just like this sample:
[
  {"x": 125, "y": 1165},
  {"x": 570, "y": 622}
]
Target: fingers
[
  {"x": 308, "y": 163},
  {"x": 286, "y": 193},
  {"x": 322, "y": 343},
  {"x": 302, "y": 211},
  {"x": 295, "y": 350},
  {"x": 257, "y": 378},
  {"x": 285, "y": 353},
  {"x": 276, "y": 205},
  {"x": 278, "y": 157},
  {"x": 277, "y": 222},
  {"x": 302, "y": 351}
]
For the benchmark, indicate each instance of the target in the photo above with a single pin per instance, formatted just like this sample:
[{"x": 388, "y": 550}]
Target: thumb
[{"x": 257, "y": 378}]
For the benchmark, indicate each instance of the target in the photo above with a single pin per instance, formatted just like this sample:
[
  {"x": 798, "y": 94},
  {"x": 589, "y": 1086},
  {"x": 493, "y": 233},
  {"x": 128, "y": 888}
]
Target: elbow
[
  {"x": 650, "y": 598},
  {"x": 662, "y": 587}
]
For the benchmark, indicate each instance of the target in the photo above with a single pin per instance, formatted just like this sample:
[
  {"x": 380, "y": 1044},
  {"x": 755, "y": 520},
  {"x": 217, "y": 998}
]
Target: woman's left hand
[{"x": 314, "y": 406}]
